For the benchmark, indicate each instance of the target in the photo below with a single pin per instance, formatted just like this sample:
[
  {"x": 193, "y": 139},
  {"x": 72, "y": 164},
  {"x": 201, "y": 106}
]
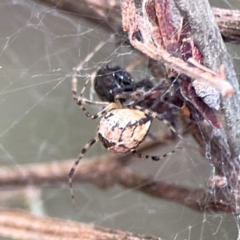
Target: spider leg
[
  {"x": 74, "y": 86},
  {"x": 159, "y": 117},
  {"x": 155, "y": 158},
  {"x": 136, "y": 95},
  {"x": 90, "y": 102},
  {"x": 80, "y": 100},
  {"x": 175, "y": 79},
  {"x": 73, "y": 169},
  {"x": 109, "y": 107},
  {"x": 78, "y": 68}
]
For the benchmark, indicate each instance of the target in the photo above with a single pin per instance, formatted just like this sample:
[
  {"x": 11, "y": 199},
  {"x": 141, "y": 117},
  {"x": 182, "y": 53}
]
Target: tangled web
[{"x": 39, "y": 46}]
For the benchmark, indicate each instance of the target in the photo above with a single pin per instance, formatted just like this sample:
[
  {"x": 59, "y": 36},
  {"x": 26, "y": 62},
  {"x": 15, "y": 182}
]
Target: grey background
[{"x": 39, "y": 122}]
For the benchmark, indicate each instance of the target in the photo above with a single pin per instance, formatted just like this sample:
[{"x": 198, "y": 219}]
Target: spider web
[{"x": 39, "y": 46}]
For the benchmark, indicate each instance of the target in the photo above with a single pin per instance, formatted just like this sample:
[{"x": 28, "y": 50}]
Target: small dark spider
[
  {"x": 111, "y": 80},
  {"x": 122, "y": 128}
]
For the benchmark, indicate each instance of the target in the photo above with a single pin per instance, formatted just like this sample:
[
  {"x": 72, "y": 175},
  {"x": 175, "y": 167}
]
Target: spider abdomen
[{"x": 122, "y": 130}]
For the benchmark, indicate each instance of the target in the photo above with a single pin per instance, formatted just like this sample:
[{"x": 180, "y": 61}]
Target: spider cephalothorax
[{"x": 111, "y": 80}]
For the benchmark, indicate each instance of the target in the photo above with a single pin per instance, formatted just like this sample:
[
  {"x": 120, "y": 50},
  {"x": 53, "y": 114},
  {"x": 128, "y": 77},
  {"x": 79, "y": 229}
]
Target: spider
[
  {"x": 112, "y": 81},
  {"x": 122, "y": 127}
]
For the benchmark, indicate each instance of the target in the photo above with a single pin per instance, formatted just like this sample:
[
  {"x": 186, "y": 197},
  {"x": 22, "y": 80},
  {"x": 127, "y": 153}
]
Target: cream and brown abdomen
[{"x": 122, "y": 130}]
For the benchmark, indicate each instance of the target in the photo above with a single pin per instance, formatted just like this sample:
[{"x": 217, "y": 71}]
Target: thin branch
[
  {"x": 108, "y": 14},
  {"x": 214, "y": 52},
  {"x": 229, "y": 23},
  {"x": 135, "y": 23},
  {"x": 21, "y": 225},
  {"x": 88, "y": 170},
  {"x": 105, "y": 172}
]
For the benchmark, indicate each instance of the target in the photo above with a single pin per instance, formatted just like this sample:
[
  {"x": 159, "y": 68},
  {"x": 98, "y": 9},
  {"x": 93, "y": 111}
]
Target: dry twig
[
  {"x": 105, "y": 172},
  {"x": 229, "y": 23},
  {"x": 22, "y": 225},
  {"x": 144, "y": 35},
  {"x": 108, "y": 13}
]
